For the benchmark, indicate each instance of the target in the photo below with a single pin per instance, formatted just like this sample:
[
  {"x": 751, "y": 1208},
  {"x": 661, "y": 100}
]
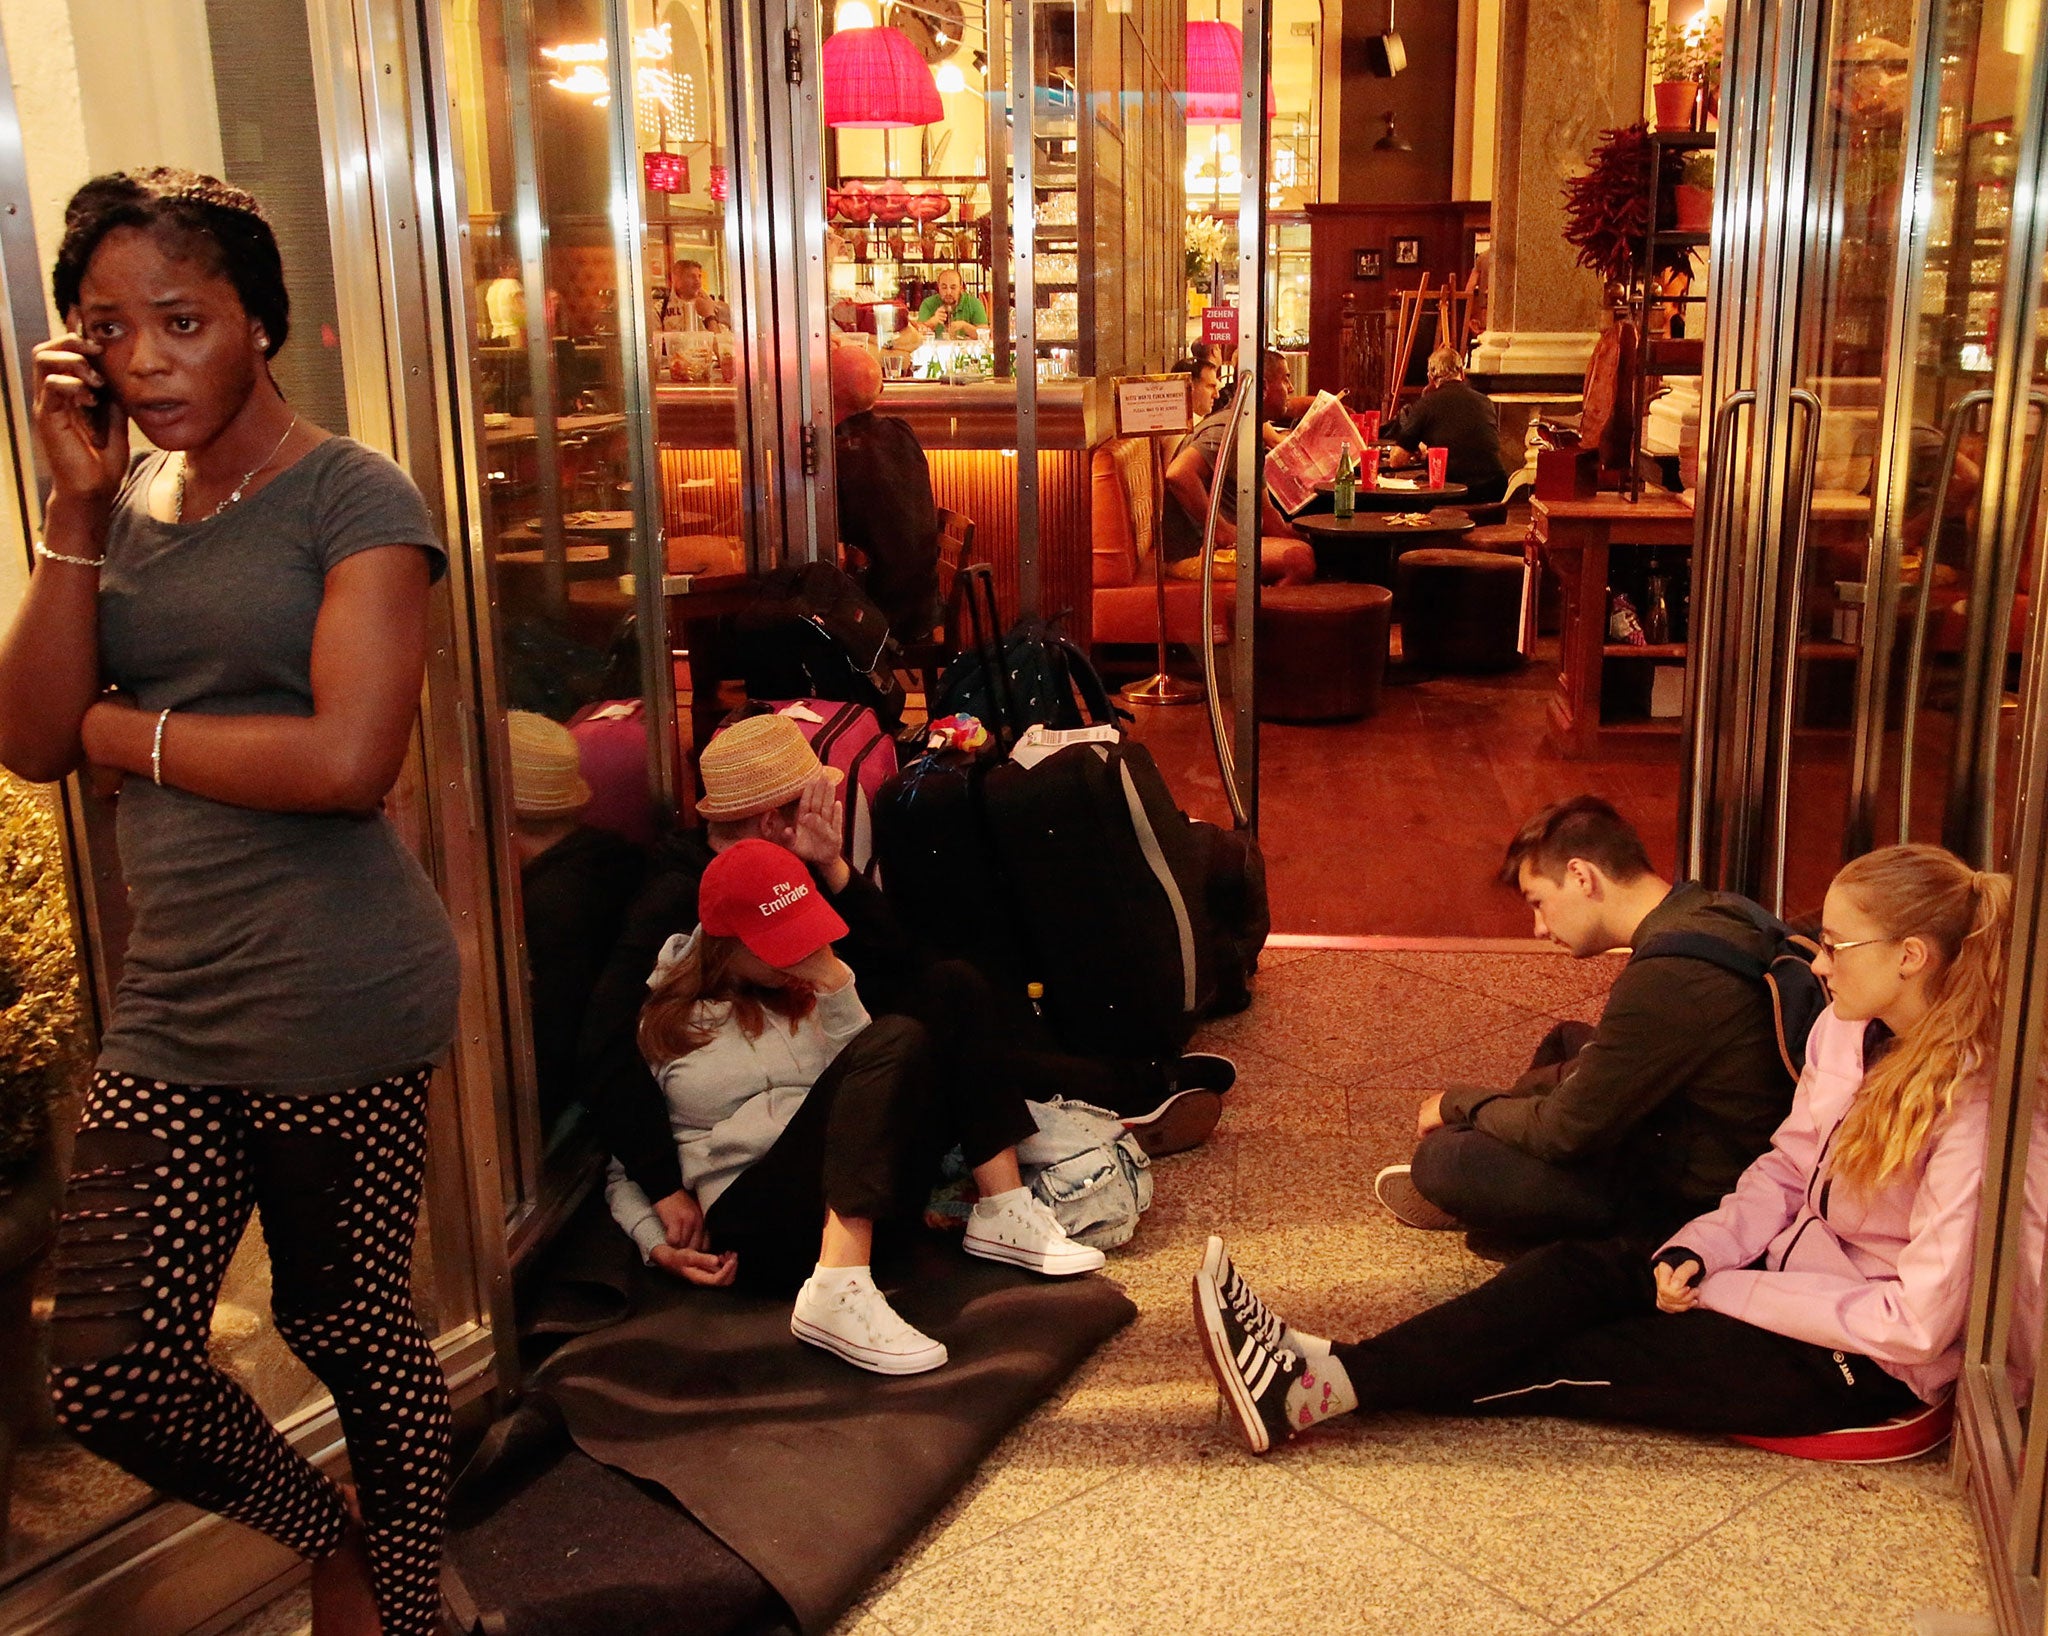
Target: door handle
[
  {"x": 1930, "y": 557},
  {"x": 1789, "y": 670},
  {"x": 1704, "y": 672},
  {"x": 1226, "y": 754}
]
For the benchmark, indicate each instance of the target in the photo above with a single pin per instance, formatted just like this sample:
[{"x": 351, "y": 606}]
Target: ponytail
[{"x": 1963, "y": 915}]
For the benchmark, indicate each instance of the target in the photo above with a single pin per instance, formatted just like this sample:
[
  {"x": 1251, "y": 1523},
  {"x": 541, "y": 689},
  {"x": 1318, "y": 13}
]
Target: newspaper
[{"x": 1311, "y": 453}]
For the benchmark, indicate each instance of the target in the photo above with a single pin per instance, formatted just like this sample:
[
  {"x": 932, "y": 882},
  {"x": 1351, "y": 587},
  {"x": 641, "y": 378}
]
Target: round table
[
  {"x": 1380, "y": 498},
  {"x": 1366, "y": 545}
]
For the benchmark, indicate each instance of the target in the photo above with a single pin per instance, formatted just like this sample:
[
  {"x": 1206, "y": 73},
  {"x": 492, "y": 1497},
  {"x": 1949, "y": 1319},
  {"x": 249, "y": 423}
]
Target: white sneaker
[
  {"x": 840, "y": 1309},
  {"x": 1018, "y": 1228}
]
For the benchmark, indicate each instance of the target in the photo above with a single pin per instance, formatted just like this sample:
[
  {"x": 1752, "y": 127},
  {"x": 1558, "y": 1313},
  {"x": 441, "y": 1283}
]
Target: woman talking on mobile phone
[{"x": 235, "y": 623}]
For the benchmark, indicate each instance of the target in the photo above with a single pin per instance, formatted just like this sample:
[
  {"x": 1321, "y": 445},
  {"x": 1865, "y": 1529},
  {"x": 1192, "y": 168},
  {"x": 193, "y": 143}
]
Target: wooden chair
[{"x": 928, "y": 659}]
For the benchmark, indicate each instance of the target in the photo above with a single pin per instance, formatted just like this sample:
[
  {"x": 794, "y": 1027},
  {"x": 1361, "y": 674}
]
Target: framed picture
[
  {"x": 1366, "y": 264},
  {"x": 1407, "y": 252}
]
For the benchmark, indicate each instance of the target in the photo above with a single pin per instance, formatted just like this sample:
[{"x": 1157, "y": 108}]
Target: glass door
[
  {"x": 1850, "y": 656},
  {"x": 607, "y": 329},
  {"x": 361, "y": 359}
]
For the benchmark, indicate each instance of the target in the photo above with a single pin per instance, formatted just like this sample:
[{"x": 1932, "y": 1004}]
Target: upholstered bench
[
  {"x": 1322, "y": 651},
  {"x": 1460, "y": 610}
]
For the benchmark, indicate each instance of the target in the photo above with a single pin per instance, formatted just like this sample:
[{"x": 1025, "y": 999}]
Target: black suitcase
[
  {"x": 938, "y": 868},
  {"x": 1108, "y": 881}
]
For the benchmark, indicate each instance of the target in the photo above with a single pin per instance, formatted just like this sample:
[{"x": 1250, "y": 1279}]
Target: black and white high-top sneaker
[
  {"x": 1258, "y": 1319},
  {"x": 1254, "y": 1378}
]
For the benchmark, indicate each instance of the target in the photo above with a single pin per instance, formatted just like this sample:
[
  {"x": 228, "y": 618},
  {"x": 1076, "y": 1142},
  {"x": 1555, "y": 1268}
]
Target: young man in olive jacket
[{"x": 1633, "y": 1126}]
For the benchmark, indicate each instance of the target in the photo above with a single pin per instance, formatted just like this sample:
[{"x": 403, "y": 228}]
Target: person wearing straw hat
[
  {"x": 575, "y": 883},
  {"x": 762, "y": 781}
]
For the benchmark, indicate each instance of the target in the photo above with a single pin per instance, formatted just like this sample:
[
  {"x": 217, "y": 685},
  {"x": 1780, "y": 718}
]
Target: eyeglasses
[{"x": 1830, "y": 948}]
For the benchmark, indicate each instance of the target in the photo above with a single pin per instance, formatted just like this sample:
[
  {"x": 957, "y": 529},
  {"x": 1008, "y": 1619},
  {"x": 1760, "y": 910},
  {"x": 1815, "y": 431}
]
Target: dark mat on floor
[
  {"x": 815, "y": 1473},
  {"x": 577, "y": 1549}
]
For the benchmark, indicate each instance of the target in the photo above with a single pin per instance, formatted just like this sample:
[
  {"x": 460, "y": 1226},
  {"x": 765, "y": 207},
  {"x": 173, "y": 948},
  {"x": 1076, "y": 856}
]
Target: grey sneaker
[{"x": 1395, "y": 1188}]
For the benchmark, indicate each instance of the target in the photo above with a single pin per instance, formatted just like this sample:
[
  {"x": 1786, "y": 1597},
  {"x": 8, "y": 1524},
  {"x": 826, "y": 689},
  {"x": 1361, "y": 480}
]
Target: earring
[{"x": 262, "y": 341}]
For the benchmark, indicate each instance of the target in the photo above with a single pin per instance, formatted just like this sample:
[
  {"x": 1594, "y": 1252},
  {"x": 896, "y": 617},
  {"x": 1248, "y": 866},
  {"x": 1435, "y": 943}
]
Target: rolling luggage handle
[{"x": 985, "y": 630}]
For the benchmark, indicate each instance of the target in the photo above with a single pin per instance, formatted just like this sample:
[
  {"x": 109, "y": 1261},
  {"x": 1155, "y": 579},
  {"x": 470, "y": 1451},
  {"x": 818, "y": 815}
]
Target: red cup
[
  {"x": 1368, "y": 424},
  {"x": 1439, "y": 466},
  {"x": 1369, "y": 467}
]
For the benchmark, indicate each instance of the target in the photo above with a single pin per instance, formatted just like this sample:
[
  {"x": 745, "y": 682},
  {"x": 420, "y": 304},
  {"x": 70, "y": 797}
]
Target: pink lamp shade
[
  {"x": 1215, "y": 94},
  {"x": 876, "y": 80}
]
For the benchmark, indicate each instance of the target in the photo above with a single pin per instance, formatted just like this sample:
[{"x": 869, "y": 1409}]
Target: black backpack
[
  {"x": 812, "y": 633},
  {"x": 1796, "y": 994}
]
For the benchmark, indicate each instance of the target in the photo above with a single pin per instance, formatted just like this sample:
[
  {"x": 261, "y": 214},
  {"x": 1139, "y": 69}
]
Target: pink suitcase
[
  {"x": 611, "y": 748},
  {"x": 848, "y": 737}
]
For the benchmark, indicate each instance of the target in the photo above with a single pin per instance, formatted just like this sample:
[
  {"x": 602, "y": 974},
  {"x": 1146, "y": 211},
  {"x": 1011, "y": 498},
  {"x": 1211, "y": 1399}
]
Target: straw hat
[
  {"x": 755, "y": 766},
  {"x": 547, "y": 780}
]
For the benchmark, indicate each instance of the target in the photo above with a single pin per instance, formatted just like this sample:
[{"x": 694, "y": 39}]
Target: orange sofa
[{"x": 1123, "y": 492}]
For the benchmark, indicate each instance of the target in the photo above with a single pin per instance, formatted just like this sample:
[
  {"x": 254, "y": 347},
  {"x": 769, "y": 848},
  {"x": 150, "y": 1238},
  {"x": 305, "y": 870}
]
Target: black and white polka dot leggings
[{"x": 163, "y": 1182}]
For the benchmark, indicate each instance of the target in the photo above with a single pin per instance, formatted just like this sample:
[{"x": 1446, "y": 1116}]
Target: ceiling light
[
  {"x": 950, "y": 81},
  {"x": 853, "y": 14}
]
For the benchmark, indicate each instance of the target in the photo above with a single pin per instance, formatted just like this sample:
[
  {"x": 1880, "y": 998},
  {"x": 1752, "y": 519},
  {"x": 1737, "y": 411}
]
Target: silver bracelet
[
  {"x": 156, "y": 749},
  {"x": 48, "y": 555}
]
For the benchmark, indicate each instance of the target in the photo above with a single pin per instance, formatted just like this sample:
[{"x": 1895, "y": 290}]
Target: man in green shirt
[{"x": 953, "y": 311}]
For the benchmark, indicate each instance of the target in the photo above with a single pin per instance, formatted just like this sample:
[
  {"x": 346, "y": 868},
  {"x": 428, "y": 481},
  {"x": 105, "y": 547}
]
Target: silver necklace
[{"x": 235, "y": 493}]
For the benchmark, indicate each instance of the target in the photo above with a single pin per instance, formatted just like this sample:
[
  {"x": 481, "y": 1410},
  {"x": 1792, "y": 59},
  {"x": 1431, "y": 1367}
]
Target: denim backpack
[{"x": 1088, "y": 1170}]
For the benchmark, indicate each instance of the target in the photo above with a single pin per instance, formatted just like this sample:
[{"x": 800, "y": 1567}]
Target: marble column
[{"x": 1569, "y": 69}]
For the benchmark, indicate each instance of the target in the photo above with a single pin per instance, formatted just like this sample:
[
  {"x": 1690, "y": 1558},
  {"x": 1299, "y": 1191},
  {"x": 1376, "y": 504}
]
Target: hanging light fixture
[
  {"x": 876, "y": 80},
  {"x": 1393, "y": 141},
  {"x": 949, "y": 79},
  {"x": 852, "y": 14},
  {"x": 1215, "y": 93}
]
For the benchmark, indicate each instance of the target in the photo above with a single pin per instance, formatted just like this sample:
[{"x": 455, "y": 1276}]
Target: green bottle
[{"x": 1347, "y": 485}]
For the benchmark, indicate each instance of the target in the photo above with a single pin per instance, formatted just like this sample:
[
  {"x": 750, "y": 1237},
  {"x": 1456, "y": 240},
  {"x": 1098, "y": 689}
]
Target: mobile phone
[
  {"x": 99, "y": 407},
  {"x": 99, "y": 417}
]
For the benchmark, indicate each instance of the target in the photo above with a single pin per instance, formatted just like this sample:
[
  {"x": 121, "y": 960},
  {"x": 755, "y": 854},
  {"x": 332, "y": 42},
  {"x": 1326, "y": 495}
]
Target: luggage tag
[{"x": 1040, "y": 743}]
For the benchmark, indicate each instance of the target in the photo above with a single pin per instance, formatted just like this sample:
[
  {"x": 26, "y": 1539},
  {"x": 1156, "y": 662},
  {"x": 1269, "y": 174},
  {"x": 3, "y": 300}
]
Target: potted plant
[
  {"x": 1692, "y": 198},
  {"x": 41, "y": 1052},
  {"x": 1676, "y": 70},
  {"x": 1607, "y": 209}
]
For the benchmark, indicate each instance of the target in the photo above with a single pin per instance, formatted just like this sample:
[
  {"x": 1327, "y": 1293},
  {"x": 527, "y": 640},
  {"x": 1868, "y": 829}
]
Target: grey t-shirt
[{"x": 286, "y": 952}]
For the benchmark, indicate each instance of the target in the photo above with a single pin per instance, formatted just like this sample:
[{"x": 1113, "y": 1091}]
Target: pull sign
[{"x": 793, "y": 55}]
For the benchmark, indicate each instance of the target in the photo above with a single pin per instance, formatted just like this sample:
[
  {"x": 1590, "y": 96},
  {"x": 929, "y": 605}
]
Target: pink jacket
[{"x": 1886, "y": 1275}]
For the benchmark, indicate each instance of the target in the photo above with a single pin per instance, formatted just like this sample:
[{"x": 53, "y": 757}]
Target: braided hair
[{"x": 201, "y": 216}]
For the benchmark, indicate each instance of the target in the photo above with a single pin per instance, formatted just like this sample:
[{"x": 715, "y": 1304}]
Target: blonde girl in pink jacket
[{"x": 1827, "y": 1291}]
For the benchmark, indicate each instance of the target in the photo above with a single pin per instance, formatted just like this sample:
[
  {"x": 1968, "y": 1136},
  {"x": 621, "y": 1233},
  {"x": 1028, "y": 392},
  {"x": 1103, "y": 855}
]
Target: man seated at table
[
  {"x": 1202, "y": 387},
  {"x": 953, "y": 309},
  {"x": 1190, "y": 474},
  {"x": 1452, "y": 415},
  {"x": 886, "y": 513},
  {"x": 689, "y": 304}
]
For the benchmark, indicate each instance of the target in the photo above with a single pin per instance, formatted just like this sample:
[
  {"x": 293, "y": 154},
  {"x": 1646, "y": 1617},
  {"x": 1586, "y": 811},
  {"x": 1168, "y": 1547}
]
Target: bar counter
[{"x": 969, "y": 433}]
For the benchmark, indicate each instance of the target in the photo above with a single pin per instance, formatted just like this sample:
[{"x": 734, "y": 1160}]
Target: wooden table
[
  {"x": 1366, "y": 545},
  {"x": 1574, "y": 538}
]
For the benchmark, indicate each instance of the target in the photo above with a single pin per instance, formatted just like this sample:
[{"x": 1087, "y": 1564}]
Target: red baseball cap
[{"x": 763, "y": 895}]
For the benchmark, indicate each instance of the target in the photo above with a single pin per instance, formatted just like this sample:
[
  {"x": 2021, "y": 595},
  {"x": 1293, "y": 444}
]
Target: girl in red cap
[{"x": 800, "y": 1122}]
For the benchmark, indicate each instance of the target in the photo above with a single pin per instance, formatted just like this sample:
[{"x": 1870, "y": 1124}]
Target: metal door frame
[{"x": 171, "y": 1567}]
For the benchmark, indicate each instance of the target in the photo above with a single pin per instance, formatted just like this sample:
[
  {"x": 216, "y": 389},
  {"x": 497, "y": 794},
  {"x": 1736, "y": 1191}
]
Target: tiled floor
[{"x": 1125, "y": 1506}]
